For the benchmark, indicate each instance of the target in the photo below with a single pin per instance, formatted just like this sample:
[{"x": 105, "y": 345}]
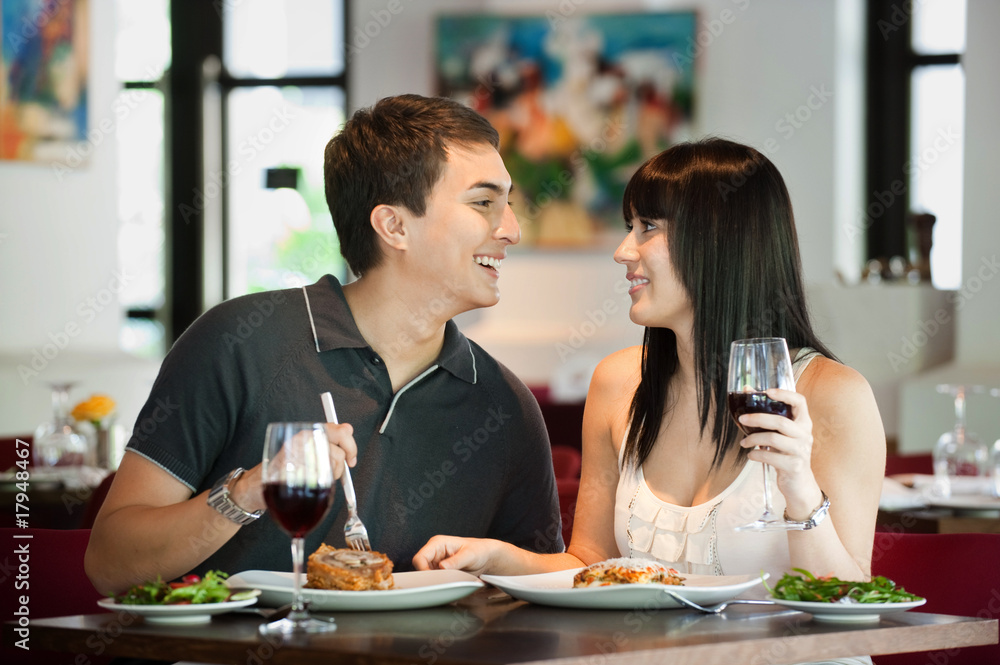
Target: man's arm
[{"x": 151, "y": 525}]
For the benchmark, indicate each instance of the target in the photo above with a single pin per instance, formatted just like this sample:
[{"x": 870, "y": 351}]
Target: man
[{"x": 447, "y": 440}]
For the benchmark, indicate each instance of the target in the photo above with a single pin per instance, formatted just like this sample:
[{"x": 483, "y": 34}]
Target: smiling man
[{"x": 448, "y": 441}]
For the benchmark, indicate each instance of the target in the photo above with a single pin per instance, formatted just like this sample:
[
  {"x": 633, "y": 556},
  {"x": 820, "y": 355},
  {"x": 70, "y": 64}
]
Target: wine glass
[
  {"x": 757, "y": 365},
  {"x": 56, "y": 443},
  {"x": 298, "y": 487},
  {"x": 960, "y": 457}
]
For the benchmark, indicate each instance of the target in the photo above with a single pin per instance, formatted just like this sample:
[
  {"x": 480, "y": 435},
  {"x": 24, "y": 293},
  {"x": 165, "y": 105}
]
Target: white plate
[
  {"x": 177, "y": 614},
  {"x": 557, "y": 589},
  {"x": 848, "y": 612},
  {"x": 412, "y": 590}
]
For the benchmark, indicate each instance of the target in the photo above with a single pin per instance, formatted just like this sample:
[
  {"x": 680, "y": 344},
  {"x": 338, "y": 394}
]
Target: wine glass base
[
  {"x": 304, "y": 626},
  {"x": 770, "y": 525}
]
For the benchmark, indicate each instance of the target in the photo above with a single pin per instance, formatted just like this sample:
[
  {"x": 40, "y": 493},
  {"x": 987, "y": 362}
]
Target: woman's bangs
[{"x": 649, "y": 194}]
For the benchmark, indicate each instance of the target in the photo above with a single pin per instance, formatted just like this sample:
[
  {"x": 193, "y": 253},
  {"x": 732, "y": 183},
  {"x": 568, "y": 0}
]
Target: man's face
[{"x": 460, "y": 240}]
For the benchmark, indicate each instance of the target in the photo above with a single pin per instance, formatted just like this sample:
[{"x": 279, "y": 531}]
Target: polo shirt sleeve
[
  {"x": 195, "y": 402},
  {"x": 529, "y": 515}
]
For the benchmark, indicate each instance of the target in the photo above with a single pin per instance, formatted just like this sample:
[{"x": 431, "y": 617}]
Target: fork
[
  {"x": 355, "y": 532},
  {"x": 717, "y": 608}
]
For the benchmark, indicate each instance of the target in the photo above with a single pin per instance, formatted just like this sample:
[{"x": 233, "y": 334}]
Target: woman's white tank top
[{"x": 701, "y": 539}]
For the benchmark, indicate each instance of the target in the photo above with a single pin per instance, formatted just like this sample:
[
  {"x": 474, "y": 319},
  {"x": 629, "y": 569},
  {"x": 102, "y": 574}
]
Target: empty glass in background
[
  {"x": 960, "y": 457},
  {"x": 55, "y": 442}
]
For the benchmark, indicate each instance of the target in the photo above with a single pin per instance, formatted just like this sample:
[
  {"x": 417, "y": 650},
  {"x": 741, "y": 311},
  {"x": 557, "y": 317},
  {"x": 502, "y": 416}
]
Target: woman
[{"x": 711, "y": 255}]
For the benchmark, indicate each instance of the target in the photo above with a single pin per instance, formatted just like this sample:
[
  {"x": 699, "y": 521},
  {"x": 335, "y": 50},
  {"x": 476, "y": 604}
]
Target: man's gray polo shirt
[{"x": 460, "y": 450}]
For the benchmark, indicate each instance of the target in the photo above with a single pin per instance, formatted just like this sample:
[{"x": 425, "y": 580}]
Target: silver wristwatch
[
  {"x": 221, "y": 499},
  {"x": 817, "y": 516}
]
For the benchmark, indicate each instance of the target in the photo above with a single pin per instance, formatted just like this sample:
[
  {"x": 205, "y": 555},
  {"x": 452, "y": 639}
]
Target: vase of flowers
[{"x": 99, "y": 411}]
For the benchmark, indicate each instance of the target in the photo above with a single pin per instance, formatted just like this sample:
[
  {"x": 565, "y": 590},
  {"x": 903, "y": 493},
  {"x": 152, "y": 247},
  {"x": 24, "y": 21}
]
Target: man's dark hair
[{"x": 392, "y": 154}]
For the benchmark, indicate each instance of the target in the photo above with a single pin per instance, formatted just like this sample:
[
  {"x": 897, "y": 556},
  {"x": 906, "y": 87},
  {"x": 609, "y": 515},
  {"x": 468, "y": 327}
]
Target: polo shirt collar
[{"x": 334, "y": 328}]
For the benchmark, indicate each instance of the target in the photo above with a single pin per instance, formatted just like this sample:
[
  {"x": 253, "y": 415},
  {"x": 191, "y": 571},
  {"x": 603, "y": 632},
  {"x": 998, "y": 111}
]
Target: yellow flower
[{"x": 95, "y": 409}]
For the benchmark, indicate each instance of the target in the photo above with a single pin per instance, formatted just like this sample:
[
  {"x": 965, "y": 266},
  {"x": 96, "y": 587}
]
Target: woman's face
[{"x": 659, "y": 300}]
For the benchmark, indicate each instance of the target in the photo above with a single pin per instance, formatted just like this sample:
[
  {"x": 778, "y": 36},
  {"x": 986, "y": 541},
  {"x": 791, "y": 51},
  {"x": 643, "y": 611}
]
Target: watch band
[
  {"x": 221, "y": 500},
  {"x": 815, "y": 518}
]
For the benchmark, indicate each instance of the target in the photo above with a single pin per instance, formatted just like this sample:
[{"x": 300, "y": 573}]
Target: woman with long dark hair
[{"x": 711, "y": 256}]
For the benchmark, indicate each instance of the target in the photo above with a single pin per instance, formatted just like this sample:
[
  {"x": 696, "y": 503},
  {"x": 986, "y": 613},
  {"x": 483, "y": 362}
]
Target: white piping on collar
[
  {"x": 475, "y": 374},
  {"x": 311, "y": 322},
  {"x": 395, "y": 398}
]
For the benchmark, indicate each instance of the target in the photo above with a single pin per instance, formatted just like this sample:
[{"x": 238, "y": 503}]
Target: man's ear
[{"x": 389, "y": 223}]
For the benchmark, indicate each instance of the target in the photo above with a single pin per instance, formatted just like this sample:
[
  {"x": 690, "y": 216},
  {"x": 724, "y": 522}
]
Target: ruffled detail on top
[{"x": 685, "y": 538}]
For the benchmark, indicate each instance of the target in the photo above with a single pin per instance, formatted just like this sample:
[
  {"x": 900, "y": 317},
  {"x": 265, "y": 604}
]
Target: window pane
[
  {"x": 935, "y": 166},
  {"x": 939, "y": 26},
  {"x": 142, "y": 337},
  {"x": 142, "y": 48},
  {"x": 139, "y": 136},
  {"x": 275, "y": 38},
  {"x": 279, "y": 238}
]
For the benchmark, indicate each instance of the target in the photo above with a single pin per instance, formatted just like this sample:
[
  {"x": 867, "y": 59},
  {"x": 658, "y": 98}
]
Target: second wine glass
[
  {"x": 298, "y": 488},
  {"x": 755, "y": 366}
]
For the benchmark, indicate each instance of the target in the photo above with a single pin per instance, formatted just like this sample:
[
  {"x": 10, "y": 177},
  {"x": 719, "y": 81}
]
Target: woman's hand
[
  {"x": 789, "y": 443},
  {"x": 473, "y": 555}
]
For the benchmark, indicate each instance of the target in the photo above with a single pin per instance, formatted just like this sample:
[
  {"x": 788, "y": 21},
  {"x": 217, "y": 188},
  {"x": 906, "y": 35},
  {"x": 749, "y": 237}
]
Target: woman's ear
[{"x": 389, "y": 223}]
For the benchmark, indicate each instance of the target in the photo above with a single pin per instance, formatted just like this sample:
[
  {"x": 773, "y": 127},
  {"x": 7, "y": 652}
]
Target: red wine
[
  {"x": 740, "y": 403},
  {"x": 297, "y": 509}
]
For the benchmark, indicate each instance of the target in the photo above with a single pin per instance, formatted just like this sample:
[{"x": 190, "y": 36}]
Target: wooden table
[{"x": 490, "y": 628}]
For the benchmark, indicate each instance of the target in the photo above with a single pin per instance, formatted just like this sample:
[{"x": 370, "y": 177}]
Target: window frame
[
  {"x": 891, "y": 62},
  {"x": 196, "y": 37}
]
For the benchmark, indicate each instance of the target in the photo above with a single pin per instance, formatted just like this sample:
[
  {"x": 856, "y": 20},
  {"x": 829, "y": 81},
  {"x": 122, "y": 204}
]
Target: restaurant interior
[{"x": 113, "y": 242}]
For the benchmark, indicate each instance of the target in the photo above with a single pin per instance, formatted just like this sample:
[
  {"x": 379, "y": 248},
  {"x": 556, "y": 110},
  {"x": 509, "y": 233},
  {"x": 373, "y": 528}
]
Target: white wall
[
  {"x": 59, "y": 315},
  {"x": 58, "y": 242}
]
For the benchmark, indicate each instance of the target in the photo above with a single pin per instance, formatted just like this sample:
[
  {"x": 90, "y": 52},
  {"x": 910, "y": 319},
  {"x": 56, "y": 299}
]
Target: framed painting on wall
[
  {"x": 43, "y": 80},
  {"x": 579, "y": 102}
]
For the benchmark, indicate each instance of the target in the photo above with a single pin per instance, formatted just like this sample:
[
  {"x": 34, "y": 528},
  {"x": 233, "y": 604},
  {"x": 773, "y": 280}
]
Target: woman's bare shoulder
[
  {"x": 824, "y": 376},
  {"x": 619, "y": 370},
  {"x": 841, "y": 403}
]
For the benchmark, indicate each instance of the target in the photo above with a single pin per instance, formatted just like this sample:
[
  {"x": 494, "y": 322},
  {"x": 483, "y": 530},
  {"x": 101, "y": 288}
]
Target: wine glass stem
[
  {"x": 768, "y": 510},
  {"x": 298, "y": 604}
]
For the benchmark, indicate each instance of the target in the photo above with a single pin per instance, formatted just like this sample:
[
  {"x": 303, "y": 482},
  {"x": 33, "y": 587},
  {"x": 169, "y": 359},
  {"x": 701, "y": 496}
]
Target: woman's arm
[
  {"x": 593, "y": 536},
  {"x": 835, "y": 443}
]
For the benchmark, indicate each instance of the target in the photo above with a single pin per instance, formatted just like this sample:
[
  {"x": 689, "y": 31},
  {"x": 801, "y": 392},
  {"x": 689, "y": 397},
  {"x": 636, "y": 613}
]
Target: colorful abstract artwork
[
  {"x": 580, "y": 102},
  {"x": 43, "y": 78}
]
